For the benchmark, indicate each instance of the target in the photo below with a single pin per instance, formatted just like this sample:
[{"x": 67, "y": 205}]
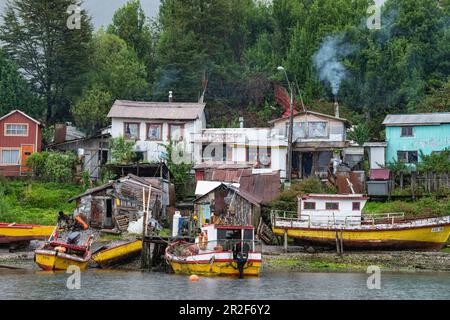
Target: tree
[
  {"x": 90, "y": 113},
  {"x": 52, "y": 56},
  {"x": 437, "y": 101},
  {"x": 15, "y": 93},
  {"x": 116, "y": 69},
  {"x": 122, "y": 150},
  {"x": 131, "y": 25}
]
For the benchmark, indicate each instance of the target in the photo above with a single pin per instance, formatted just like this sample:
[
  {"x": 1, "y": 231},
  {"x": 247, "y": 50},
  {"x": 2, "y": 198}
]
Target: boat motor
[{"x": 240, "y": 256}]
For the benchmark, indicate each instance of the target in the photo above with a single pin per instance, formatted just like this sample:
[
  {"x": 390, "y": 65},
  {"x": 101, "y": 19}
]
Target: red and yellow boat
[
  {"x": 336, "y": 220},
  {"x": 16, "y": 233},
  {"x": 56, "y": 255},
  {"x": 218, "y": 251}
]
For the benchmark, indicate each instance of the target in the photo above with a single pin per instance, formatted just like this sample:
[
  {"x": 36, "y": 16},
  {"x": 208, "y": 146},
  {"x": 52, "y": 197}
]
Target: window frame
[
  {"x": 148, "y": 138},
  {"x": 169, "y": 135},
  {"x": 258, "y": 158},
  {"x": 357, "y": 203},
  {"x": 10, "y": 149},
  {"x": 327, "y": 203},
  {"x": 313, "y": 203},
  {"x": 138, "y": 130},
  {"x": 6, "y": 134},
  {"x": 408, "y": 153},
  {"x": 406, "y": 135}
]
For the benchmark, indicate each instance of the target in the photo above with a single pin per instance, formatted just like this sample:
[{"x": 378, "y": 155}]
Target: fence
[{"x": 419, "y": 183}]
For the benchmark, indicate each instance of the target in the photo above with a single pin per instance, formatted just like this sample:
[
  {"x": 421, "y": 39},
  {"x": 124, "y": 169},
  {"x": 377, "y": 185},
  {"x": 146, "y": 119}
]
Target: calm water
[{"x": 99, "y": 284}]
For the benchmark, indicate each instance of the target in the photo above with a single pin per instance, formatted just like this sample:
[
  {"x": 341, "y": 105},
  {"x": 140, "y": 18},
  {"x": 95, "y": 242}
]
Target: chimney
[
  {"x": 241, "y": 122},
  {"x": 170, "y": 96},
  {"x": 336, "y": 108}
]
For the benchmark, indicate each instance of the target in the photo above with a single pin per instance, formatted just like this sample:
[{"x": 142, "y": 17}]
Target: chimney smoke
[{"x": 170, "y": 96}]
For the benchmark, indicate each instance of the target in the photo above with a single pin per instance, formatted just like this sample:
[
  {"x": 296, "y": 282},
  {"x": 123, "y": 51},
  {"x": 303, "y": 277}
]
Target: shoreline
[{"x": 278, "y": 261}]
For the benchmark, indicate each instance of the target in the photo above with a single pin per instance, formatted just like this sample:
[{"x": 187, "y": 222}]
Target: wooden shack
[
  {"x": 114, "y": 204},
  {"x": 228, "y": 205}
]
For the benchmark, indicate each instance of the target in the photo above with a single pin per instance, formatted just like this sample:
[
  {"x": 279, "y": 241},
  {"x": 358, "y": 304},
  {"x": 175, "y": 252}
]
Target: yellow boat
[
  {"x": 118, "y": 253},
  {"x": 13, "y": 232},
  {"x": 54, "y": 255},
  {"x": 316, "y": 226},
  {"x": 230, "y": 251}
]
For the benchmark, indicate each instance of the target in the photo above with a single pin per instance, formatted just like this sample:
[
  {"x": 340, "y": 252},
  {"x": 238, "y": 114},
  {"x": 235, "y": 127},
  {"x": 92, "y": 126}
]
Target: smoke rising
[{"x": 328, "y": 61}]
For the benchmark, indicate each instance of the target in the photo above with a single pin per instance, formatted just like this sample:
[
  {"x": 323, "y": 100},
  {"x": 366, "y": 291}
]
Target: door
[
  {"x": 307, "y": 158},
  {"x": 26, "y": 151},
  {"x": 108, "y": 220}
]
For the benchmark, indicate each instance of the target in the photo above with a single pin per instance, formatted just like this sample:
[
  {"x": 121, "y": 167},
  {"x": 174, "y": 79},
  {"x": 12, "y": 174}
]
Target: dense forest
[{"x": 232, "y": 49}]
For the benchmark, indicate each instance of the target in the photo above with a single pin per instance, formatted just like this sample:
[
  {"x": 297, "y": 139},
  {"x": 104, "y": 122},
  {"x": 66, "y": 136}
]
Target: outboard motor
[{"x": 240, "y": 256}]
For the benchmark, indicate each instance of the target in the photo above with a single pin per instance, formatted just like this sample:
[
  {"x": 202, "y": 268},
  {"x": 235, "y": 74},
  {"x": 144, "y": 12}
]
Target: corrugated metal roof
[
  {"x": 156, "y": 110},
  {"x": 417, "y": 119}
]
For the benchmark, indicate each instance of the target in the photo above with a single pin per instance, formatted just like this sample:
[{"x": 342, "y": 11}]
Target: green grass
[
  {"x": 420, "y": 208},
  {"x": 35, "y": 202}
]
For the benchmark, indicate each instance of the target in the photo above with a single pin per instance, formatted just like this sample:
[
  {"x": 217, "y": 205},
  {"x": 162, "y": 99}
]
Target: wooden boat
[
  {"x": 343, "y": 224},
  {"x": 217, "y": 251},
  {"x": 118, "y": 253},
  {"x": 57, "y": 255},
  {"x": 14, "y": 233}
]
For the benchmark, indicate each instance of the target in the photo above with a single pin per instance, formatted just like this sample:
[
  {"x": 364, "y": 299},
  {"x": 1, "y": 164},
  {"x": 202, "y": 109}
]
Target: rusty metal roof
[
  {"x": 417, "y": 119},
  {"x": 380, "y": 174},
  {"x": 264, "y": 186},
  {"x": 156, "y": 110}
]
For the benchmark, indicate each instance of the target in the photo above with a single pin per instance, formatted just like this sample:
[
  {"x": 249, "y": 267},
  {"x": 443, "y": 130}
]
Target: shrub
[
  {"x": 122, "y": 150},
  {"x": 53, "y": 166}
]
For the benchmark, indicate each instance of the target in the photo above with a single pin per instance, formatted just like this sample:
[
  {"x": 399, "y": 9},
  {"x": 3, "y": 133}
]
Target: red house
[{"x": 20, "y": 136}]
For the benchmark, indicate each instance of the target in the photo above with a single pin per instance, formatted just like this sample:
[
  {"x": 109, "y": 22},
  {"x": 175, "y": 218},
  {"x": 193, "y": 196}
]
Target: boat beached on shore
[
  {"x": 333, "y": 220},
  {"x": 22, "y": 233},
  {"x": 219, "y": 250}
]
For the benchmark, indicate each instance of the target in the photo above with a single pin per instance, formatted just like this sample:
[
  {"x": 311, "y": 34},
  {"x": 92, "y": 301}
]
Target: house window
[
  {"x": 317, "y": 130},
  {"x": 260, "y": 155},
  {"x": 176, "y": 132},
  {"x": 407, "y": 156},
  {"x": 356, "y": 206},
  {"x": 154, "y": 131},
  {"x": 131, "y": 130},
  {"x": 10, "y": 156},
  {"x": 332, "y": 206},
  {"x": 407, "y": 132},
  {"x": 309, "y": 205},
  {"x": 16, "y": 129}
]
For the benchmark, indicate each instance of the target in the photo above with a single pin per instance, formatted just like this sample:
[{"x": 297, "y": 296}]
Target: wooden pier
[{"x": 153, "y": 251}]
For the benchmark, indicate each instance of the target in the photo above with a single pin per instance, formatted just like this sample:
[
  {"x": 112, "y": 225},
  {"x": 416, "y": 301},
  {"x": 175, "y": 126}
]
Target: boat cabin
[
  {"x": 224, "y": 238},
  {"x": 319, "y": 209}
]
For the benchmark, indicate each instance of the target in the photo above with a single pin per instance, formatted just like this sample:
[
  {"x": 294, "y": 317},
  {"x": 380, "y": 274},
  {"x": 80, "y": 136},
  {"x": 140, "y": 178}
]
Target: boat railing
[
  {"x": 254, "y": 246},
  {"x": 392, "y": 217}
]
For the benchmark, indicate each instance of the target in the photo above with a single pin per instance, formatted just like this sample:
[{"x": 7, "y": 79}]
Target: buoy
[{"x": 193, "y": 278}]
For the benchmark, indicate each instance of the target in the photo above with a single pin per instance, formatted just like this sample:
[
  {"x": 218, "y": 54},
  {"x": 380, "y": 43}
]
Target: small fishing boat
[
  {"x": 117, "y": 253},
  {"x": 337, "y": 221},
  {"x": 16, "y": 233},
  {"x": 219, "y": 250},
  {"x": 58, "y": 255}
]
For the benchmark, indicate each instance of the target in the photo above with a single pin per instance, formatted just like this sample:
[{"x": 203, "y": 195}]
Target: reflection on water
[{"x": 101, "y": 284}]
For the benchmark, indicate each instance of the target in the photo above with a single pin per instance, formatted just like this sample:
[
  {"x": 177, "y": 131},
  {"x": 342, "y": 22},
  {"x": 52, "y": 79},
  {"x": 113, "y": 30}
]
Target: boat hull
[
  {"x": 10, "y": 233},
  {"x": 53, "y": 261},
  {"x": 118, "y": 254},
  {"x": 215, "y": 264},
  {"x": 413, "y": 238}
]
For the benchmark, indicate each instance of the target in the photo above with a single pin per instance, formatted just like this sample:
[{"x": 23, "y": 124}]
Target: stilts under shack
[{"x": 153, "y": 250}]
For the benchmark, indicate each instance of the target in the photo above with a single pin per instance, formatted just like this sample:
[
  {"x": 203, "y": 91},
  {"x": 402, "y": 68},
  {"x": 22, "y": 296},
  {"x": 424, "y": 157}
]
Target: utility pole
[{"x": 291, "y": 129}]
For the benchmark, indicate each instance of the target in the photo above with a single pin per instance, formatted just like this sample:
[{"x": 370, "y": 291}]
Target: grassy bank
[
  {"x": 35, "y": 202},
  {"x": 423, "y": 207}
]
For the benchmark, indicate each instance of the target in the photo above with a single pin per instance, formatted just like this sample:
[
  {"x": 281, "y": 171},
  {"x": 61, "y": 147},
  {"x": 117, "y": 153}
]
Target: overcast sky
[{"x": 103, "y": 10}]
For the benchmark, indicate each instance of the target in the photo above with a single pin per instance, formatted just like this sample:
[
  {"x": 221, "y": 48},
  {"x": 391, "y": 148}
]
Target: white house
[
  {"x": 261, "y": 148},
  {"x": 154, "y": 124}
]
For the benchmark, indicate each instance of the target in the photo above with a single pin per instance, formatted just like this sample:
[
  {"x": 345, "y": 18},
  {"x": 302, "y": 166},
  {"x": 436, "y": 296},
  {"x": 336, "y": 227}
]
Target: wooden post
[
  {"x": 413, "y": 184},
  {"x": 285, "y": 241},
  {"x": 338, "y": 245},
  {"x": 342, "y": 242}
]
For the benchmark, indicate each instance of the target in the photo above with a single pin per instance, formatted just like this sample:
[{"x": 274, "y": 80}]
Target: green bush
[{"x": 53, "y": 166}]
